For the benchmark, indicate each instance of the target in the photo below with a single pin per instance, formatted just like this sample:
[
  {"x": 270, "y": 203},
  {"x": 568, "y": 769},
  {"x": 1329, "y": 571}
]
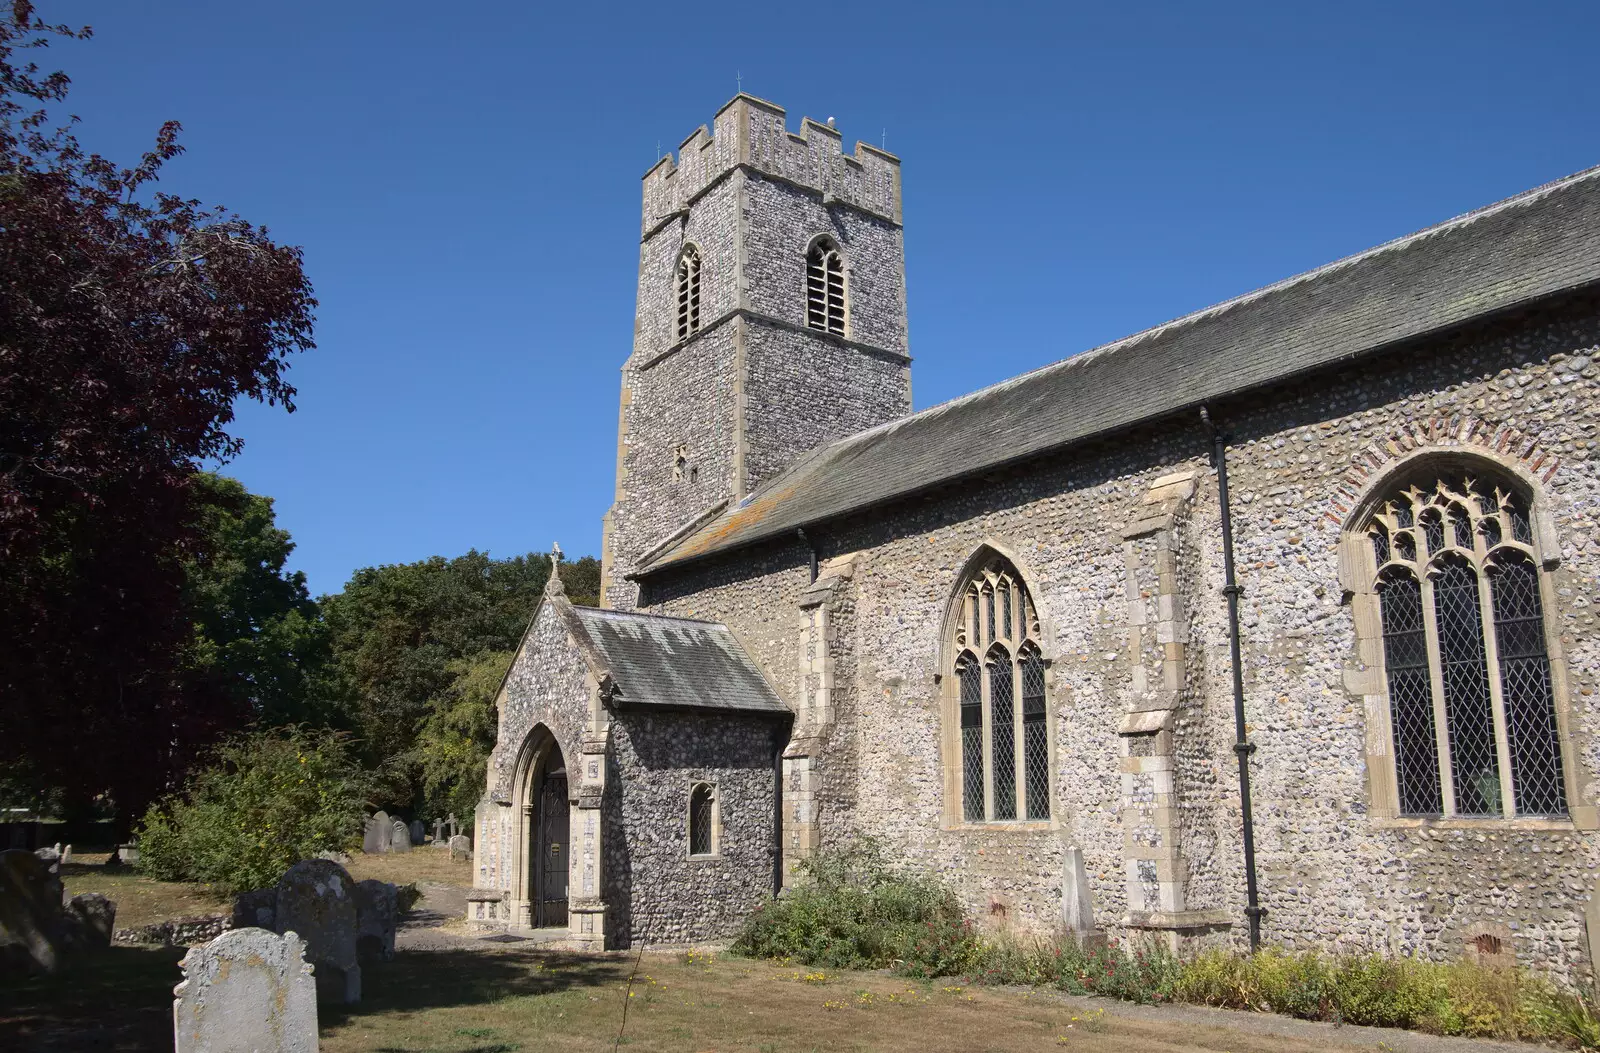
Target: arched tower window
[
  {"x": 688, "y": 292},
  {"x": 1003, "y": 742},
  {"x": 825, "y": 287},
  {"x": 1471, "y": 698}
]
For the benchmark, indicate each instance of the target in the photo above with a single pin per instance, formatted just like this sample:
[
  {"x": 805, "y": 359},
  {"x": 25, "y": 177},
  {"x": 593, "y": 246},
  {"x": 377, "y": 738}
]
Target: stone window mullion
[
  {"x": 1430, "y": 621},
  {"x": 984, "y": 679},
  {"x": 1497, "y": 702},
  {"x": 1019, "y": 762}
]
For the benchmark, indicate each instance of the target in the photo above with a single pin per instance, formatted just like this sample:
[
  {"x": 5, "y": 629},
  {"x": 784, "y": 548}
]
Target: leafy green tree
[
  {"x": 258, "y": 636},
  {"x": 267, "y": 800},
  {"x": 398, "y": 633},
  {"x": 456, "y": 738}
]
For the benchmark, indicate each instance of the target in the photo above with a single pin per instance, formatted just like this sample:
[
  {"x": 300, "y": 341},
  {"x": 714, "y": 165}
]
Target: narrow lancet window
[
  {"x": 702, "y": 823},
  {"x": 825, "y": 287}
]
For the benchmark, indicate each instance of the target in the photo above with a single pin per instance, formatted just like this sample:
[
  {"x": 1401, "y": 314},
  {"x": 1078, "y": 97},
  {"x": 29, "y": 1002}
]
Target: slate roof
[
  {"x": 1536, "y": 245},
  {"x": 677, "y": 663}
]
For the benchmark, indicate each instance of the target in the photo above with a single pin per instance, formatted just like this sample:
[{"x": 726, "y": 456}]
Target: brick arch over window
[
  {"x": 1446, "y": 559},
  {"x": 998, "y": 756}
]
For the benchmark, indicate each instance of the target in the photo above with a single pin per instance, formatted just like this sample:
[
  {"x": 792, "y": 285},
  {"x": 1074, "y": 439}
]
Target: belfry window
[
  {"x": 1471, "y": 696},
  {"x": 688, "y": 292},
  {"x": 1002, "y": 736},
  {"x": 825, "y": 287}
]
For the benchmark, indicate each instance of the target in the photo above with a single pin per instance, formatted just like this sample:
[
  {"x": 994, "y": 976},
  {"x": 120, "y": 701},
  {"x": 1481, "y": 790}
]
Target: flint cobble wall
[
  {"x": 1331, "y": 875},
  {"x": 654, "y": 890}
]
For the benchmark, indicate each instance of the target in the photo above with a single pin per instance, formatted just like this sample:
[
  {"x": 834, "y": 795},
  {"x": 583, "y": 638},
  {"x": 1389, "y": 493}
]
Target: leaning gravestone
[
  {"x": 247, "y": 991},
  {"x": 32, "y": 932},
  {"x": 93, "y": 918},
  {"x": 375, "y": 838},
  {"x": 461, "y": 849},
  {"x": 317, "y": 899},
  {"x": 400, "y": 840}
]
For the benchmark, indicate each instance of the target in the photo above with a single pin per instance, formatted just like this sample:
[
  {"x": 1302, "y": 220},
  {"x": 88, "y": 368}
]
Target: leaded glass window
[
  {"x": 970, "y": 684},
  {"x": 702, "y": 826},
  {"x": 1003, "y": 740},
  {"x": 825, "y": 287},
  {"x": 688, "y": 292},
  {"x": 1464, "y": 647},
  {"x": 1002, "y": 712},
  {"x": 1035, "y": 736}
]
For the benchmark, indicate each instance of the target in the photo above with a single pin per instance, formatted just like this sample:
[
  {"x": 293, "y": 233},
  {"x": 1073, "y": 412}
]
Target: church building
[{"x": 1342, "y": 532}]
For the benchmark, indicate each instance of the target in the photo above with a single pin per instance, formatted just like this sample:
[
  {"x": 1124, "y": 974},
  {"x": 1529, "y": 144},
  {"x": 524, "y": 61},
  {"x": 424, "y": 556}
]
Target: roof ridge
[{"x": 611, "y": 612}]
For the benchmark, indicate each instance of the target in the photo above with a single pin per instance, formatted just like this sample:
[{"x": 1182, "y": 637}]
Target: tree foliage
[
  {"x": 131, "y": 320},
  {"x": 457, "y": 736},
  {"x": 268, "y": 800},
  {"x": 258, "y": 640},
  {"x": 405, "y": 639}
]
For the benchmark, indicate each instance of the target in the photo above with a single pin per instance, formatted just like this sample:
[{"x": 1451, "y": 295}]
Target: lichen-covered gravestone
[
  {"x": 375, "y": 838},
  {"x": 247, "y": 991},
  {"x": 461, "y": 849},
  {"x": 317, "y": 899},
  {"x": 400, "y": 840}
]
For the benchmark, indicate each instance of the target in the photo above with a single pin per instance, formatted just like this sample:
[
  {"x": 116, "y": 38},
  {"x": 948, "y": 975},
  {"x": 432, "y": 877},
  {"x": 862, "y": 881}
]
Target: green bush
[
  {"x": 853, "y": 911},
  {"x": 268, "y": 800},
  {"x": 856, "y": 911}
]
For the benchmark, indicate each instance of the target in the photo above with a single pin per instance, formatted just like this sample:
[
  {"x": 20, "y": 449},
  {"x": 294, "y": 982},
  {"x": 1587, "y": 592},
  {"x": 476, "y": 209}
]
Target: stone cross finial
[{"x": 553, "y": 586}]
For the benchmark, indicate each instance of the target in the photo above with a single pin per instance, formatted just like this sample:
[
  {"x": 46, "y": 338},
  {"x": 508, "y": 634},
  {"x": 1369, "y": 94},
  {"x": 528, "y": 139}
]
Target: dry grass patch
[
  {"x": 423, "y": 863},
  {"x": 514, "y": 1000},
  {"x": 140, "y": 900}
]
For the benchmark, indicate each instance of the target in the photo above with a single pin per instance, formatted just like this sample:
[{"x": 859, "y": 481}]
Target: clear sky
[{"x": 464, "y": 179}]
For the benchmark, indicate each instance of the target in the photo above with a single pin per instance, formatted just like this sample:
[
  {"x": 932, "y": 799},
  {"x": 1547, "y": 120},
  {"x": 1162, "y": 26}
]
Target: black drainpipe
[
  {"x": 1242, "y": 746},
  {"x": 801, "y": 534}
]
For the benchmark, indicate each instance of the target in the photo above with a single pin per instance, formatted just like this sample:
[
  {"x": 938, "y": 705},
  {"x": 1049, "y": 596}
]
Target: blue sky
[{"x": 465, "y": 182}]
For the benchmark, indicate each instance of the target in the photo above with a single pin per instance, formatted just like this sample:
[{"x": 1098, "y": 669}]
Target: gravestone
[
  {"x": 377, "y": 910},
  {"x": 400, "y": 839},
  {"x": 417, "y": 832},
  {"x": 32, "y": 927},
  {"x": 1077, "y": 905},
  {"x": 94, "y": 919},
  {"x": 317, "y": 899},
  {"x": 66, "y": 855},
  {"x": 258, "y": 908},
  {"x": 375, "y": 837},
  {"x": 461, "y": 849},
  {"x": 451, "y": 819},
  {"x": 247, "y": 991},
  {"x": 438, "y": 829}
]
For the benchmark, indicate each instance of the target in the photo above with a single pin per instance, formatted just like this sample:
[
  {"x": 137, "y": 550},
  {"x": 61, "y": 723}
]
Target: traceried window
[
  {"x": 688, "y": 292},
  {"x": 999, "y": 691},
  {"x": 825, "y": 287},
  {"x": 702, "y": 819},
  {"x": 1471, "y": 698}
]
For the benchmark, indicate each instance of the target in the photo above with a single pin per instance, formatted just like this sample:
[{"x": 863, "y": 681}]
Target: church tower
[{"x": 771, "y": 318}]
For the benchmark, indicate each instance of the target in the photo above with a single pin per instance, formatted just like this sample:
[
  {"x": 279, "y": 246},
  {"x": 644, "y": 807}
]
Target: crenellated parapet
[{"x": 752, "y": 133}]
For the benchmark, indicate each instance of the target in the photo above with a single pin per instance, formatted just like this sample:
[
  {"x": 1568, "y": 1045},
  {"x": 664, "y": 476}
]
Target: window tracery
[
  {"x": 825, "y": 304},
  {"x": 688, "y": 292},
  {"x": 1003, "y": 736},
  {"x": 1471, "y": 698}
]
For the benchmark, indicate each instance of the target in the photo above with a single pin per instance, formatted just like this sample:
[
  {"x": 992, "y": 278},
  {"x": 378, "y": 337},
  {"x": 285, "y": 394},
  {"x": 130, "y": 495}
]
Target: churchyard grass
[
  {"x": 140, "y": 900},
  {"x": 423, "y": 863}
]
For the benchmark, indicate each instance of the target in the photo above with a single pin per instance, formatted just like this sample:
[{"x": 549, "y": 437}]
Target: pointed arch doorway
[
  {"x": 550, "y": 816},
  {"x": 542, "y": 852}
]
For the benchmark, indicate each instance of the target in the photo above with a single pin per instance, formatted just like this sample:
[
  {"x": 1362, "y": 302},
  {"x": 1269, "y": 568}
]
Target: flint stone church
[{"x": 995, "y": 635}]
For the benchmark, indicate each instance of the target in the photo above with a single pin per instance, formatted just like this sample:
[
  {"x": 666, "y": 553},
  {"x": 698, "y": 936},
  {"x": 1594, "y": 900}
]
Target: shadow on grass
[
  {"x": 111, "y": 1000},
  {"x": 433, "y": 979},
  {"x": 121, "y": 999}
]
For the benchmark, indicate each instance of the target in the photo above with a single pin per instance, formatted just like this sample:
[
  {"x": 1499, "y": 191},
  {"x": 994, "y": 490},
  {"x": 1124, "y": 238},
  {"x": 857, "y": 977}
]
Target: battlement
[{"x": 752, "y": 132}]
